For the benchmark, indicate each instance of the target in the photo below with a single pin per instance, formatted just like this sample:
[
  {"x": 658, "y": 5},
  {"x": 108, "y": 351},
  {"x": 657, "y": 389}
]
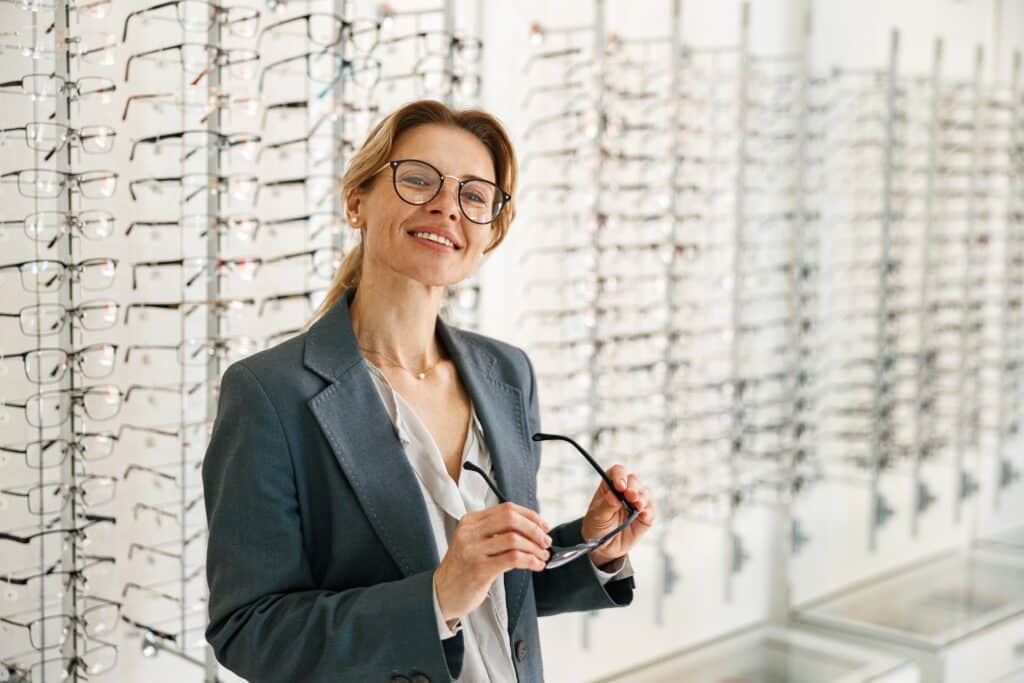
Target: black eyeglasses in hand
[{"x": 564, "y": 555}]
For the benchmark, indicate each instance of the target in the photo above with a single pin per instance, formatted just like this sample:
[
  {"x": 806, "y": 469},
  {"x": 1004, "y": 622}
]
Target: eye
[{"x": 415, "y": 180}]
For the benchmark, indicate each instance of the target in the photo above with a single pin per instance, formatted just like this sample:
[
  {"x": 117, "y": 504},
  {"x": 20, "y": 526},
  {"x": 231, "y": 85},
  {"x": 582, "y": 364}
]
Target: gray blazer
[{"x": 321, "y": 557}]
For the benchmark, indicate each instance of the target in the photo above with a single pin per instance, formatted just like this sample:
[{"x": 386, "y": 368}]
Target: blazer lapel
[
  {"x": 502, "y": 412},
  {"x": 362, "y": 438},
  {"x": 354, "y": 420}
]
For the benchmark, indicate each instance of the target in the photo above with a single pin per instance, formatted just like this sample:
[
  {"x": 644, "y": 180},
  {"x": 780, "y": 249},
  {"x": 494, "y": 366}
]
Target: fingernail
[{"x": 547, "y": 539}]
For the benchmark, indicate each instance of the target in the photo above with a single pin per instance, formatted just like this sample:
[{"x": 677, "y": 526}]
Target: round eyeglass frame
[{"x": 395, "y": 163}]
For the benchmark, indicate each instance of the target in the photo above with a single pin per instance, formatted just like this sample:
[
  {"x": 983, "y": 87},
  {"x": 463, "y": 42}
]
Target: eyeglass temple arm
[
  {"x": 494, "y": 487},
  {"x": 270, "y": 27},
  {"x": 540, "y": 436},
  {"x": 124, "y": 34}
]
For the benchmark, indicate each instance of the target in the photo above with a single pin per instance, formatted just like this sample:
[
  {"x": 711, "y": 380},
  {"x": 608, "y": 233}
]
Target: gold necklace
[{"x": 417, "y": 375}]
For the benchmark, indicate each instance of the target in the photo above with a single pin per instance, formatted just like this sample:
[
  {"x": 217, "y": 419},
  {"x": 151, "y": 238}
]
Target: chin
[{"x": 432, "y": 278}]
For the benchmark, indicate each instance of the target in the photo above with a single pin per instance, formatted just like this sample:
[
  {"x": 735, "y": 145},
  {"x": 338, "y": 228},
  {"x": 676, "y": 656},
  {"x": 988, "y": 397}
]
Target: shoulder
[{"x": 278, "y": 371}]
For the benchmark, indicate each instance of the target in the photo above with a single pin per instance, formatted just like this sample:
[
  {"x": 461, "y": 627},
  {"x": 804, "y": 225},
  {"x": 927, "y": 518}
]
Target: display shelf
[
  {"x": 952, "y": 614},
  {"x": 767, "y": 654}
]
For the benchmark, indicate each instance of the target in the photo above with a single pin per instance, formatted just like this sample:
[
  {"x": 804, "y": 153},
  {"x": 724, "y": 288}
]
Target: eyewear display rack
[
  {"x": 227, "y": 236},
  {"x": 1011, "y": 349},
  {"x": 833, "y": 286},
  {"x": 702, "y": 199},
  {"x": 45, "y": 592},
  {"x": 183, "y": 145}
]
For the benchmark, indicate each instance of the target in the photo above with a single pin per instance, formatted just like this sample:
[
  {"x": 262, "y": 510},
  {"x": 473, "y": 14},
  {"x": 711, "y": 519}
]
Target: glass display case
[
  {"x": 952, "y": 613},
  {"x": 1012, "y": 540},
  {"x": 768, "y": 654}
]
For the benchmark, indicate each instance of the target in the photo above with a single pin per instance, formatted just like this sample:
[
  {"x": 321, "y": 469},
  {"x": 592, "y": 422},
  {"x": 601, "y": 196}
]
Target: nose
[{"x": 447, "y": 200}]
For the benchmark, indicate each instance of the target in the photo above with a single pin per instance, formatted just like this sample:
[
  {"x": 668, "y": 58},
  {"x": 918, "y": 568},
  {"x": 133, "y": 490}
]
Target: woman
[{"x": 346, "y": 541}]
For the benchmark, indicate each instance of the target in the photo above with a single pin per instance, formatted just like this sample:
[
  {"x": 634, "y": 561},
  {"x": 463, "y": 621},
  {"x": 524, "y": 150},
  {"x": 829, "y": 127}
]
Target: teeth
[{"x": 435, "y": 238}]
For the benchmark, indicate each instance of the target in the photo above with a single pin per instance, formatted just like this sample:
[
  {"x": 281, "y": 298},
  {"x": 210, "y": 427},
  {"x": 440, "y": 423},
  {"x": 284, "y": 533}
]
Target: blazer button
[
  {"x": 520, "y": 651},
  {"x": 420, "y": 678},
  {"x": 400, "y": 679}
]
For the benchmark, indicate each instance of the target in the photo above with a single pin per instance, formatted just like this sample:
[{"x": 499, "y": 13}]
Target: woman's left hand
[{"x": 606, "y": 512}]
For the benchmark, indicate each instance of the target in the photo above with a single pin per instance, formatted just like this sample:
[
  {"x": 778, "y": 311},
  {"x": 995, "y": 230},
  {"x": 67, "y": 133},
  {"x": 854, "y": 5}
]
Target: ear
[{"x": 353, "y": 206}]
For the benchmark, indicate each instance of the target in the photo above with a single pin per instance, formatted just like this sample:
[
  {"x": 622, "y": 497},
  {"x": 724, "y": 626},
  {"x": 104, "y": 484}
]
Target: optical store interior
[{"x": 768, "y": 255}]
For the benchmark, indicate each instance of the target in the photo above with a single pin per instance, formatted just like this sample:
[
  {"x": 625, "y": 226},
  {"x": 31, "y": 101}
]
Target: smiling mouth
[{"x": 433, "y": 239}]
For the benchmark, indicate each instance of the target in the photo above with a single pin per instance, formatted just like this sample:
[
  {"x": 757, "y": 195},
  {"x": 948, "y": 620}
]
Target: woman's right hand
[{"x": 486, "y": 544}]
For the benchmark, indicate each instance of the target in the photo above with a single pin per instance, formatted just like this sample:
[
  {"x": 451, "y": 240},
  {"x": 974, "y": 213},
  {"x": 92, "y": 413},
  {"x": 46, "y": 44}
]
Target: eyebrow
[{"x": 468, "y": 176}]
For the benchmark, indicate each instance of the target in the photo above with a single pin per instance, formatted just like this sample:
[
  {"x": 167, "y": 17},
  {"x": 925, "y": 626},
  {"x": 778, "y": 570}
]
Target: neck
[{"x": 394, "y": 319}]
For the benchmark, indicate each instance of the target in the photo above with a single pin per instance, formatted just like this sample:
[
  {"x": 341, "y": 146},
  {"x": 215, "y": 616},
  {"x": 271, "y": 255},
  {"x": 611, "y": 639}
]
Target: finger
[
  {"x": 516, "y": 559},
  {"x": 649, "y": 513},
  {"x": 510, "y": 541},
  {"x": 632, "y": 488},
  {"x": 511, "y": 517},
  {"x": 532, "y": 515},
  {"x": 617, "y": 473}
]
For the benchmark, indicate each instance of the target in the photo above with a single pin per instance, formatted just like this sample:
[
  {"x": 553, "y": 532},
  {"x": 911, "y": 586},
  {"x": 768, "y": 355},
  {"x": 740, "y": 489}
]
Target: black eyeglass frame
[
  {"x": 564, "y": 555},
  {"x": 394, "y": 164}
]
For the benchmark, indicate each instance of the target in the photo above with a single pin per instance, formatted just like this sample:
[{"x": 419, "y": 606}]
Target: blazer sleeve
[
  {"x": 269, "y": 621},
  {"x": 576, "y": 586}
]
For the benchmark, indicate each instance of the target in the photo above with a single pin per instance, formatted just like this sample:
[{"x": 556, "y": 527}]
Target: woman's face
[{"x": 389, "y": 222}]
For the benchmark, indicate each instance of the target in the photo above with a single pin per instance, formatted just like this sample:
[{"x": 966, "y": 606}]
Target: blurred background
[{"x": 768, "y": 255}]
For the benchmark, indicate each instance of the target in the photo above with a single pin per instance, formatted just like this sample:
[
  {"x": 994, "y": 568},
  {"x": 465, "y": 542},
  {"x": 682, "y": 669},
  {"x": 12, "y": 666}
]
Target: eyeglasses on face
[
  {"x": 563, "y": 555},
  {"x": 417, "y": 182}
]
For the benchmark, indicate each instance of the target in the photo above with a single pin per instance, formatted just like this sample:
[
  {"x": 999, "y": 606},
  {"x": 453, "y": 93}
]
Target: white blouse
[{"x": 487, "y": 644}]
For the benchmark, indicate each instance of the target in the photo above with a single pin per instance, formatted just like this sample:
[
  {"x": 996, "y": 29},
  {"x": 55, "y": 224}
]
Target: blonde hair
[{"x": 376, "y": 152}]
